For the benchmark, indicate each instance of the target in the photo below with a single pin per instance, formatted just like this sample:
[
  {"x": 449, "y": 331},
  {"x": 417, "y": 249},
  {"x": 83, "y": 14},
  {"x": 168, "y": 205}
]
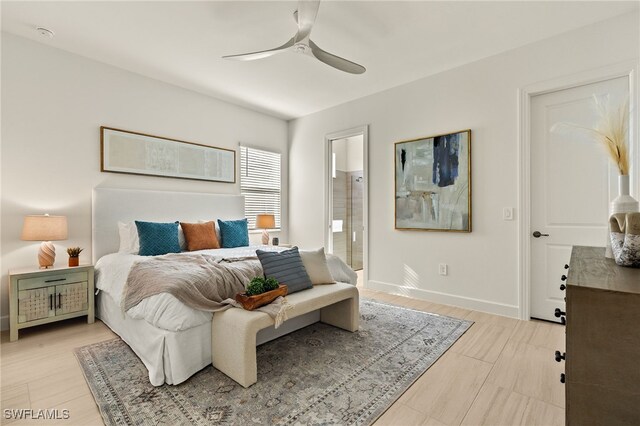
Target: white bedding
[{"x": 164, "y": 310}]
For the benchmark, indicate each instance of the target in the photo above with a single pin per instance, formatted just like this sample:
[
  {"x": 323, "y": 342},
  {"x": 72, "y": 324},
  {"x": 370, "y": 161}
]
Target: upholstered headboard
[{"x": 111, "y": 206}]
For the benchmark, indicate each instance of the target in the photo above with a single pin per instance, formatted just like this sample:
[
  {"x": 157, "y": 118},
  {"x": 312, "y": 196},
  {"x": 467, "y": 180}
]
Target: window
[{"x": 260, "y": 183}]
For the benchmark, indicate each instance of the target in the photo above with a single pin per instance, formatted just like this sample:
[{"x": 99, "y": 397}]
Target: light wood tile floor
[{"x": 501, "y": 372}]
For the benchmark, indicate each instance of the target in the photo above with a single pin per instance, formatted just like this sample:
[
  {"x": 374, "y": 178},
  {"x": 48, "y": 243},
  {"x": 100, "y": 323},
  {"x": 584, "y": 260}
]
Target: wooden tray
[{"x": 252, "y": 302}]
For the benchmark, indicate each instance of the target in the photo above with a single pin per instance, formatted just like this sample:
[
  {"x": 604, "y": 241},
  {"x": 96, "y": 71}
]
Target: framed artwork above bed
[
  {"x": 433, "y": 183},
  {"x": 123, "y": 151}
]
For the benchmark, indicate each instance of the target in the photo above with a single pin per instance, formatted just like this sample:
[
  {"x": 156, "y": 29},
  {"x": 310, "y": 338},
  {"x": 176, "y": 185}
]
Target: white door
[{"x": 572, "y": 182}]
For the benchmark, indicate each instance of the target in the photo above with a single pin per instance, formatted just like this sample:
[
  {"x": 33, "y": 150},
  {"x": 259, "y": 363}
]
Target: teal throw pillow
[
  {"x": 286, "y": 267},
  {"x": 234, "y": 233},
  {"x": 158, "y": 238}
]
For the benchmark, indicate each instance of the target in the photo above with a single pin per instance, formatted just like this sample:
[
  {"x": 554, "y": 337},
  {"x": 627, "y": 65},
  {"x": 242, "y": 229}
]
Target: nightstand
[{"x": 41, "y": 296}]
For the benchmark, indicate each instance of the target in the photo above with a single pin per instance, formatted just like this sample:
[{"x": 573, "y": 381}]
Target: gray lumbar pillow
[
  {"x": 315, "y": 262},
  {"x": 286, "y": 267}
]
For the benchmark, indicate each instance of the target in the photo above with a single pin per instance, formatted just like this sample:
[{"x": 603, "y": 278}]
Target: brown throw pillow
[{"x": 200, "y": 236}]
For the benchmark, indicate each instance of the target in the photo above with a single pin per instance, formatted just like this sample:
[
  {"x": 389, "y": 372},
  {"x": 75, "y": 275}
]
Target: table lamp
[
  {"x": 45, "y": 228},
  {"x": 264, "y": 222}
]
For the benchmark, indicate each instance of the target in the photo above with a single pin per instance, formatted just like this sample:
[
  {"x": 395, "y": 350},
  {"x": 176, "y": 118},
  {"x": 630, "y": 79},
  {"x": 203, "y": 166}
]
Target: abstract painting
[
  {"x": 433, "y": 183},
  {"x": 141, "y": 154}
]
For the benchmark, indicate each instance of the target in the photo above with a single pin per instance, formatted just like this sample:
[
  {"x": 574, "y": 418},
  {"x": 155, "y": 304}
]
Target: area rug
[{"x": 318, "y": 375}]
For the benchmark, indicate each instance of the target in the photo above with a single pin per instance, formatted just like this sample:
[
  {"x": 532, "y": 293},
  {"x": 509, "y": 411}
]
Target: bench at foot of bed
[{"x": 233, "y": 332}]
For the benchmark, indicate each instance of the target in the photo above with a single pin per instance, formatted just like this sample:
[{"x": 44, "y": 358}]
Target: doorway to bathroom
[{"x": 347, "y": 194}]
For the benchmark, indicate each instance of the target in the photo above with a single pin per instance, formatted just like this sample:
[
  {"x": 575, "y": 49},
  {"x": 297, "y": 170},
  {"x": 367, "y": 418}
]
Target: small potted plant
[
  {"x": 74, "y": 255},
  {"x": 261, "y": 291}
]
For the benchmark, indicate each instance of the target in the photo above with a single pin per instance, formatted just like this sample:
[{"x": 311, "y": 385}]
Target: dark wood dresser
[{"x": 602, "y": 372}]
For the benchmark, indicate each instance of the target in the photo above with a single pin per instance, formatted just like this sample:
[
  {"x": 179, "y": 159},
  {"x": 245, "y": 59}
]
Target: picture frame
[
  {"x": 124, "y": 151},
  {"x": 432, "y": 176}
]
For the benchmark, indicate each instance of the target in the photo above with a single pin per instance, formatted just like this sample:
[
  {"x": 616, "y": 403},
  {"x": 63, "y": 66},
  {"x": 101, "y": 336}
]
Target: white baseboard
[
  {"x": 447, "y": 299},
  {"x": 4, "y": 322}
]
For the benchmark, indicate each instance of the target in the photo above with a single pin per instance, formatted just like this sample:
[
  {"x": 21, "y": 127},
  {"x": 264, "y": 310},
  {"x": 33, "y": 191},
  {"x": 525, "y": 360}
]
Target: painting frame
[
  {"x": 197, "y": 155},
  {"x": 404, "y": 195}
]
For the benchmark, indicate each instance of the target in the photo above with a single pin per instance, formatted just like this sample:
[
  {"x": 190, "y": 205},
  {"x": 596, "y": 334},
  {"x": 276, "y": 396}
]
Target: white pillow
[
  {"x": 181, "y": 239},
  {"x": 315, "y": 262},
  {"x": 130, "y": 242}
]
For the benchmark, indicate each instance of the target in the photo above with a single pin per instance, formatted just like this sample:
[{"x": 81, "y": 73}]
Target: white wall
[
  {"x": 339, "y": 149},
  {"x": 355, "y": 153},
  {"x": 349, "y": 153},
  {"x": 482, "y": 96},
  {"x": 53, "y": 104}
]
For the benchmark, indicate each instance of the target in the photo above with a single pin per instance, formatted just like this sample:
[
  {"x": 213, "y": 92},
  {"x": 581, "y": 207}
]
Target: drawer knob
[
  {"x": 563, "y": 287},
  {"x": 563, "y": 321},
  {"x": 563, "y": 278},
  {"x": 558, "y": 313},
  {"x": 562, "y": 378},
  {"x": 566, "y": 266},
  {"x": 560, "y": 356}
]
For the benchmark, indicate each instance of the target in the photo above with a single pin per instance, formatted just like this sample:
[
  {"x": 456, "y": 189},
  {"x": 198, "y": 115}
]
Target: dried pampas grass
[{"x": 611, "y": 131}]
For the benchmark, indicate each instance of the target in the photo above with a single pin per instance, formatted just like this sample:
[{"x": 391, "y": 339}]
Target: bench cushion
[
  {"x": 315, "y": 262},
  {"x": 286, "y": 267}
]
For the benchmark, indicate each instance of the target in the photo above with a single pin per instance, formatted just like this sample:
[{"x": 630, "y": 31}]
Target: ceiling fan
[{"x": 305, "y": 17}]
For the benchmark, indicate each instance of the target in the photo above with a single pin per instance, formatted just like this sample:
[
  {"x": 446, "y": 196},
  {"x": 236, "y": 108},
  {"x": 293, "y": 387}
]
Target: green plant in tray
[
  {"x": 271, "y": 284},
  {"x": 259, "y": 285}
]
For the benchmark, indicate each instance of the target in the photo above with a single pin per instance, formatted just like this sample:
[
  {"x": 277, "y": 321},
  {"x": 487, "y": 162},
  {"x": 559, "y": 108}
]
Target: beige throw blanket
[{"x": 200, "y": 282}]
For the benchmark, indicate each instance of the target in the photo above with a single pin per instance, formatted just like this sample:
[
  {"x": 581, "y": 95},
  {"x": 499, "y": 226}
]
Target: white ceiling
[{"x": 182, "y": 42}]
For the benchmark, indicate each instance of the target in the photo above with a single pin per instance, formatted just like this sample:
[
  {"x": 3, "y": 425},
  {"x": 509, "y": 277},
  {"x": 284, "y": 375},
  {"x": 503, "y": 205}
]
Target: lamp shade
[
  {"x": 44, "y": 228},
  {"x": 265, "y": 221}
]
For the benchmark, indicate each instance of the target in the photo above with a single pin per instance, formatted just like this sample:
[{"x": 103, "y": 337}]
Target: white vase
[{"x": 623, "y": 203}]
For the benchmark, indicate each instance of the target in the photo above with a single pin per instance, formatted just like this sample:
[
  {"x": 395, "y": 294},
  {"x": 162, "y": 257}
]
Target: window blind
[{"x": 260, "y": 183}]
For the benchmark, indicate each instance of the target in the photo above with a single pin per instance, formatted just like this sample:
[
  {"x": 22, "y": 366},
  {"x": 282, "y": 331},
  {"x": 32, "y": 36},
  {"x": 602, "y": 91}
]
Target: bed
[{"x": 171, "y": 339}]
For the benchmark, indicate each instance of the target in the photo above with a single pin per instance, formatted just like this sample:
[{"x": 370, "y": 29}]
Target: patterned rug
[{"x": 317, "y": 375}]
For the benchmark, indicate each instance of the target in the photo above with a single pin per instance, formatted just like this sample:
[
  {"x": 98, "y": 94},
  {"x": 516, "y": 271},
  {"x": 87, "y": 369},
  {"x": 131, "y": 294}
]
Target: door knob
[{"x": 538, "y": 234}]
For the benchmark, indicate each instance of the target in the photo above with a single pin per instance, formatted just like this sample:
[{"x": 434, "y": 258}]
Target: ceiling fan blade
[
  {"x": 336, "y": 61},
  {"x": 305, "y": 17},
  {"x": 262, "y": 53}
]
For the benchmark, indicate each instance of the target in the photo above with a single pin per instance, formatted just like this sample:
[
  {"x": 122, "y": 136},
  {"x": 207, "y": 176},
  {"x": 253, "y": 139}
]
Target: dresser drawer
[{"x": 52, "y": 279}]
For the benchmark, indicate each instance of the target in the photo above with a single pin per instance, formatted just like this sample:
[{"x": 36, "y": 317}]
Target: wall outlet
[
  {"x": 507, "y": 213},
  {"x": 443, "y": 269}
]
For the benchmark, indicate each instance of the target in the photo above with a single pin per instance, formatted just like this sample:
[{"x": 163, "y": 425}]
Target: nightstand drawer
[{"x": 52, "y": 279}]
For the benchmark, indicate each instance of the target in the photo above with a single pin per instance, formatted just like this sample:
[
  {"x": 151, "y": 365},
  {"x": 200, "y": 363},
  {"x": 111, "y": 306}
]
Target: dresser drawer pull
[
  {"x": 563, "y": 321},
  {"x": 560, "y": 356},
  {"x": 56, "y": 280},
  {"x": 563, "y": 287},
  {"x": 562, "y": 378},
  {"x": 51, "y": 302},
  {"x": 566, "y": 266},
  {"x": 59, "y": 300},
  {"x": 558, "y": 313},
  {"x": 563, "y": 278}
]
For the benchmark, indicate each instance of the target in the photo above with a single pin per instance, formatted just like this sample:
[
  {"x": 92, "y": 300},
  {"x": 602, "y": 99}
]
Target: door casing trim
[{"x": 328, "y": 191}]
